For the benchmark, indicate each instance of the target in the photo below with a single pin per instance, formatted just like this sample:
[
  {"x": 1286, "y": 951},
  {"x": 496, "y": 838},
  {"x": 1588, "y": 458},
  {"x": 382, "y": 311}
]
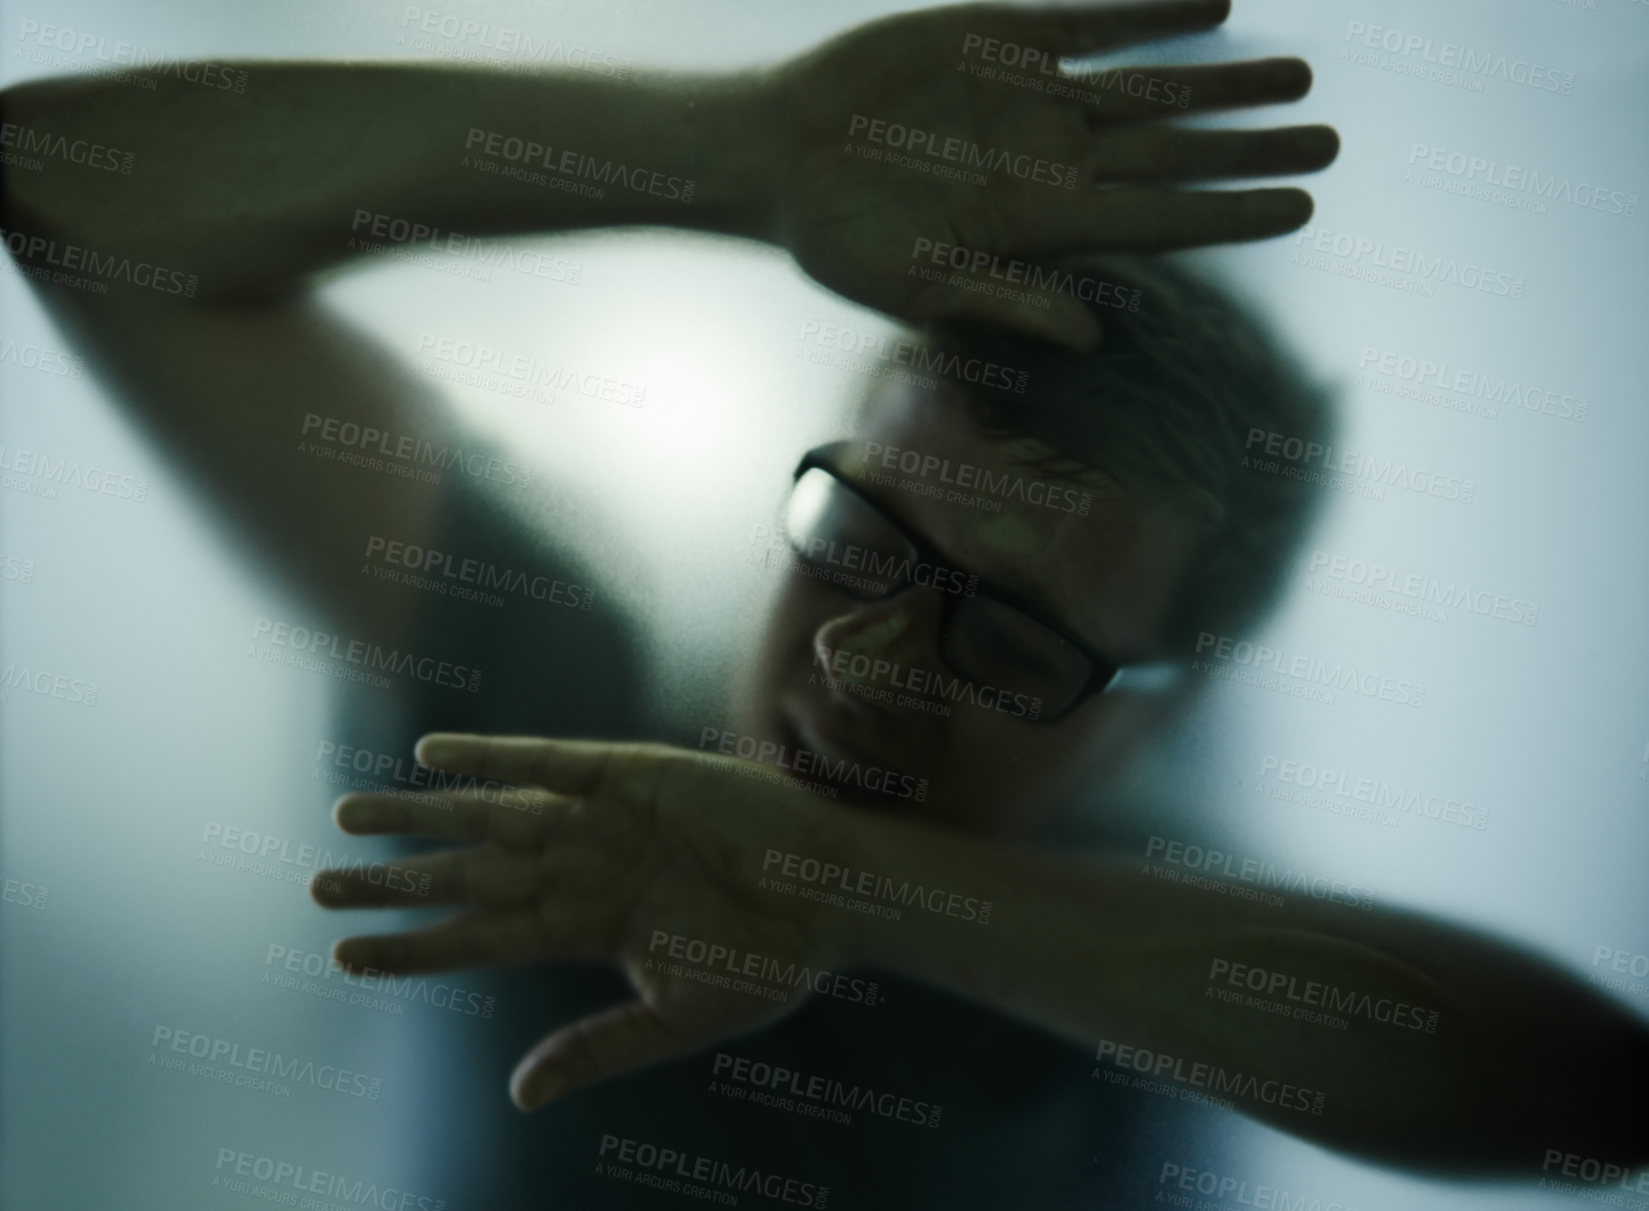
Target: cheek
[
  {"x": 782, "y": 637},
  {"x": 797, "y": 612}
]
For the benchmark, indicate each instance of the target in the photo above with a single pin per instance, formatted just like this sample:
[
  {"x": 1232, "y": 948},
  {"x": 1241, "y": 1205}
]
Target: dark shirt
[{"x": 995, "y": 1113}]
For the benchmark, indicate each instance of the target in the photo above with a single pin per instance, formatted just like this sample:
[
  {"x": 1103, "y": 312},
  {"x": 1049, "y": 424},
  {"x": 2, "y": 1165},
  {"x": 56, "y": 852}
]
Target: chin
[{"x": 800, "y": 753}]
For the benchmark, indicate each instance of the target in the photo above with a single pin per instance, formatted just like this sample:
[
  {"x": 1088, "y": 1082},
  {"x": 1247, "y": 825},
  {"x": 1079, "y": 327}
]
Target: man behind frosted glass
[{"x": 1143, "y": 415}]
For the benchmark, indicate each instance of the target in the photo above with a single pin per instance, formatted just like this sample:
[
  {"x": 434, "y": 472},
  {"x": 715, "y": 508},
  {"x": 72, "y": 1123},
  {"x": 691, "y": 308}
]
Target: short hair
[{"x": 1165, "y": 407}]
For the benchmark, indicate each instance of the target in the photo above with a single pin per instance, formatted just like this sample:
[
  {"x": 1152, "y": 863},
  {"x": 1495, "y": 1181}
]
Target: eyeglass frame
[{"x": 1098, "y": 679}]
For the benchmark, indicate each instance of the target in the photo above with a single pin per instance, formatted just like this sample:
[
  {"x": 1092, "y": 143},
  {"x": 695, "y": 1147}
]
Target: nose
[{"x": 871, "y": 640}]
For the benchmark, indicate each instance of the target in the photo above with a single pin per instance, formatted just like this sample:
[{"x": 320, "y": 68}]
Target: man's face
[{"x": 868, "y": 681}]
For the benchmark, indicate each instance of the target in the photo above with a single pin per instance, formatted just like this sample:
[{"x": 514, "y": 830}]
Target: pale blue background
[{"x": 1547, "y": 725}]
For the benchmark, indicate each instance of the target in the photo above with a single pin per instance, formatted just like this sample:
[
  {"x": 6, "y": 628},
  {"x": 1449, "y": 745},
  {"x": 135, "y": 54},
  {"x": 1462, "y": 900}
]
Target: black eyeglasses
[{"x": 987, "y": 634}]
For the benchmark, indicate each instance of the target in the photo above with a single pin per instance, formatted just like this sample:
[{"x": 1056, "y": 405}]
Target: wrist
[
  {"x": 927, "y": 897},
  {"x": 880, "y": 892},
  {"x": 728, "y": 127},
  {"x": 826, "y": 869}
]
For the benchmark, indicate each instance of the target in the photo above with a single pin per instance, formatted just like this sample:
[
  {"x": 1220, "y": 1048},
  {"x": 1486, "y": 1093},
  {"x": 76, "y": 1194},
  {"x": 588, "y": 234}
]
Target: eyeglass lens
[{"x": 833, "y": 528}]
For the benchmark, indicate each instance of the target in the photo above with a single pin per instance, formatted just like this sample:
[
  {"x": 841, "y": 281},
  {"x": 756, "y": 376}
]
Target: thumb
[{"x": 592, "y": 1049}]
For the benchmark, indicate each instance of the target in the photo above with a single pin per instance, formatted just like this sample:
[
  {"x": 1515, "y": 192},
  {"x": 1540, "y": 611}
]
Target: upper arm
[{"x": 308, "y": 441}]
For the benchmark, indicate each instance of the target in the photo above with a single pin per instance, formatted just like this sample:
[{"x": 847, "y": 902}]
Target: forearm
[
  {"x": 1428, "y": 1064},
  {"x": 252, "y": 192}
]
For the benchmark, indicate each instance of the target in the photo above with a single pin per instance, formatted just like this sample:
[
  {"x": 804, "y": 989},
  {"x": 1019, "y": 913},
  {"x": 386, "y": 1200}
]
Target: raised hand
[
  {"x": 910, "y": 140},
  {"x": 639, "y": 855}
]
